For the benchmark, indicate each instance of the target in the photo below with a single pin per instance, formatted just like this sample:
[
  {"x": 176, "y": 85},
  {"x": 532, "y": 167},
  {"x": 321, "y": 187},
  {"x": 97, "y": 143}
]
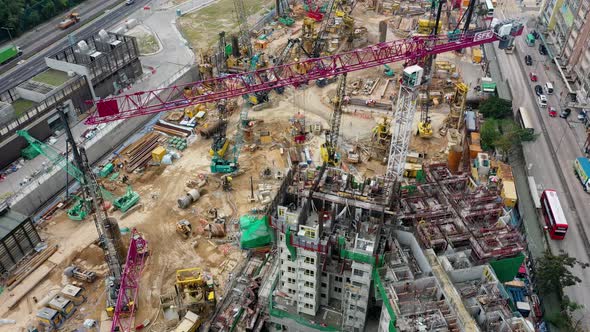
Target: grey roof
[{"x": 9, "y": 221}]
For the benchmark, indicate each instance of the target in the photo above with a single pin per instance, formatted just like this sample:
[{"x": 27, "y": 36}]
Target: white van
[
  {"x": 542, "y": 100},
  {"x": 549, "y": 88}
]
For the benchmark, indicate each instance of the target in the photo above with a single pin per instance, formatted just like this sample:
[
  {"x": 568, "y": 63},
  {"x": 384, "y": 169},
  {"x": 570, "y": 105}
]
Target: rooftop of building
[
  {"x": 9, "y": 221},
  {"x": 51, "y": 77}
]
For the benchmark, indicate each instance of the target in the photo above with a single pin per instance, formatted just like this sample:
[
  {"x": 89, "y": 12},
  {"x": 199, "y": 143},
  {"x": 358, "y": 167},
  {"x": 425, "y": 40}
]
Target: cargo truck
[
  {"x": 582, "y": 171},
  {"x": 9, "y": 52},
  {"x": 70, "y": 20}
]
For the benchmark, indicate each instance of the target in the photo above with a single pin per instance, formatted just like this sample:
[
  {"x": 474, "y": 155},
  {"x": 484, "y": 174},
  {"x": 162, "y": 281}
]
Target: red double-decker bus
[{"x": 555, "y": 221}]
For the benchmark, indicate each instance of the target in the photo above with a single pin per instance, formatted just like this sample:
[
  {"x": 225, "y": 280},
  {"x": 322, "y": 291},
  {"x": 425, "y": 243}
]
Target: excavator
[{"x": 184, "y": 228}]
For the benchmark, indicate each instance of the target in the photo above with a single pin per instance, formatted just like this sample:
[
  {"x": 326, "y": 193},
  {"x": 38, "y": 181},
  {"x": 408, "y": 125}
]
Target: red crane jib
[{"x": 292, "y": 74}]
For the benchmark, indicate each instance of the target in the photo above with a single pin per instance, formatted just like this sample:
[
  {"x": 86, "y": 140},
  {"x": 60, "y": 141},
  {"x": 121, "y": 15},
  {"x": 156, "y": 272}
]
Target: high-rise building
[{"x": 568, "y": 28}]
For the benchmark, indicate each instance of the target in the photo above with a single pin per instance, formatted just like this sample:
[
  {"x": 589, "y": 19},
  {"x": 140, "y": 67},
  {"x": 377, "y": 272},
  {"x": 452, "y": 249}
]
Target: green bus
[{"x": 530, "y": 39}]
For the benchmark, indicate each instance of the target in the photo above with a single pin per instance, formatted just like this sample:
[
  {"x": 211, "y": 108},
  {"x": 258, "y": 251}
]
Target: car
[
  {"x": 536, "y": 34},
  {"x": 582, "y": 115},
  {"x": 538, "y": 90},
  {"x": 552, "y": 112},
  {"x": 528, "y": 60},
  {"x": 542, "y": 49},
  {"x": 542, "y": 100},
  {"x": 565, "y": 113},
  {"x": 533, "y": 77},
  {"x": 129, "y": 2}
]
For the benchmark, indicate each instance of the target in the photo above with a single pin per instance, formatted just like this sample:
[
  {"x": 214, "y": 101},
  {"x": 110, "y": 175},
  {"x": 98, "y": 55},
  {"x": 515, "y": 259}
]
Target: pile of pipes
[{"x": 139, "y": 153}]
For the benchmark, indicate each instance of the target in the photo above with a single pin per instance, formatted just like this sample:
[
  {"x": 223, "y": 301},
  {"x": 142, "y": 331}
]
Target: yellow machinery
[
  {"x": 455, "y": 118},
  {"x": 425, "y": 25},
  {"x": 221, "y": 150},
  {"x": 381, "y": 132},
  {"x": 424, "y": 125},
  {"x": 192, "y": 111},
  {"x": 184, "y": 228},
  {"x": 328, "y": 149},
  {"x": 195, "y": 290}
]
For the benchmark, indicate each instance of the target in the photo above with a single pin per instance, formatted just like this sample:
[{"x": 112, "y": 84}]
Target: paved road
[
  {"x": 45, "y": 34},
  {"x": 36, "y": 63},
  {"x": 550, "y": 157}
]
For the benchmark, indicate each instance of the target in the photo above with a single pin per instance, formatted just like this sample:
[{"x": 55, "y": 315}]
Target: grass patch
[
  {"x": 202, "y": 28},
  {"x": 52, "y": 77},
  {"x": 21, "y": 106},
  {"x": 147, "y": 43}
]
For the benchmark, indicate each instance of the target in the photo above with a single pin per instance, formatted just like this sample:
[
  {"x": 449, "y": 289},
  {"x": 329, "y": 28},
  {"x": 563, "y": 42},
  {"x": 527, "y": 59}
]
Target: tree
[
  {"x": 554, "y": 272},
  {"x": 496, "y": 107},
  {"x": 489, "y": 134}
]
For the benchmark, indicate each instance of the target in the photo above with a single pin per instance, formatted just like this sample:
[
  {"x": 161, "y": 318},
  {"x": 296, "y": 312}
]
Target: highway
[
  {"x": 550, "y": 157},
  {"x": 36, "y": 63}
]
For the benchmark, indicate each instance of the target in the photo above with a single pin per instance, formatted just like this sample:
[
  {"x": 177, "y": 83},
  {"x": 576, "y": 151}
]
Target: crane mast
[
  {"x": 244, "y": 27},
  {"x": 328, "y": 149}
]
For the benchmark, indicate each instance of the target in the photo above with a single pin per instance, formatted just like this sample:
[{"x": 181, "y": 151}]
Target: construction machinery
[
  {"x": 425, "y": 125},
  {"x": 127, "y": 201},
  {"x": 80, "y": 210},
  {"x": 242, "y": 19},
  {"x": 234, "y": 85},
  {"x": 79, "y": 273},
  {"x": 410, "y": 50},
  {"x": 195, "y": 291},
  {"x": 328, "y": 148},
  {"x": 388, "y": 71},
  {"x": 184, "y": 228},
  {"x": 123, "y": 280},
  {"x": 226, "y": 181}
]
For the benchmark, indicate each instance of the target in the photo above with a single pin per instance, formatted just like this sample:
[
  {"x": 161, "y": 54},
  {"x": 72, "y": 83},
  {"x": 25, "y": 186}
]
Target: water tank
[
  {"x": 83, "y": 46},
  {"x": 6, "y": 113},
  {"x": 104, "y": 36}
]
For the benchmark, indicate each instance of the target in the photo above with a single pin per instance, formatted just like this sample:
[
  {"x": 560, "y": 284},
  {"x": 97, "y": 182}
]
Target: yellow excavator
[{"x": 328, "y": 148}]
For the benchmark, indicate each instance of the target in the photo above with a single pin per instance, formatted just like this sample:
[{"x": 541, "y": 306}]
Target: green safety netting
[
  {"x": 507, "y": 268},
  {"x": 255, "y": 232},
  {"x": 29, "y": 152}
]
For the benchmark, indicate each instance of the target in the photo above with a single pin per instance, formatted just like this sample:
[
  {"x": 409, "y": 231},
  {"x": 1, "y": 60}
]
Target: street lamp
[{"x": 9, "y": 35}]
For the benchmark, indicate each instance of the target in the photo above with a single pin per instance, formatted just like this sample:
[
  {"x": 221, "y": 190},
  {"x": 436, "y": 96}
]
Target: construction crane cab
[{"x": 388, "y": 71}]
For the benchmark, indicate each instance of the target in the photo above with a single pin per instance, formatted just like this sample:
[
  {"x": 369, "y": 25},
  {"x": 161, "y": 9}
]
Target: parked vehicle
[
  {"x": 533, "y": 77},
  {"x": 9, "y": 52},
  {"x": 528, "y": 60},
  {"x": 542, "y": 49},
  {"x": 538, "y": 90},
  {"x": 70, "y": 20},
  {"x": 582, "y": 171},
  {"x": 552, "y": 112},
  {"x": 536, "y": 34},
  {"x": 565, "y": 113},
  {"x": 542, "y": 100},
  {"x": 582, "y": 115}
]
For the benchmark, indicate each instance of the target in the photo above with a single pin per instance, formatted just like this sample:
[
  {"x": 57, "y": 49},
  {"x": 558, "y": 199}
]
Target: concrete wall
[
  {"x": 31, "y": 95},
  {"x": 408, "y": 239},
  {"x": 110, "y": 137}
]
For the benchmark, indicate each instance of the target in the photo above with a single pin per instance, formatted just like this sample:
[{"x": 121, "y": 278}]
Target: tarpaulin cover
[{"x": 255, "y": 232}]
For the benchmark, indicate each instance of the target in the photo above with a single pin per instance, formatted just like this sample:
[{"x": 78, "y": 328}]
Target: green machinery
[
  {"x": 82, "y": 207},
  {"x": 286, "y": 20},
  {"x": 388, "y": 71}
]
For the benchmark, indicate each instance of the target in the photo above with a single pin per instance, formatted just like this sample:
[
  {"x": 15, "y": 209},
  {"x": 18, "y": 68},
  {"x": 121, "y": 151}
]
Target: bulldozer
[{"x": 184, "y": 228}]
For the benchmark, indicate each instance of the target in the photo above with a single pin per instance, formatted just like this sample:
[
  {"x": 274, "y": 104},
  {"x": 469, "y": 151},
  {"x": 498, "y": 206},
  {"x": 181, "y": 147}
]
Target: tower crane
[
  {"x": 123, "y": 280},
  {"x": 328, "y": 148},
  {"x": 302, "y": 72},
  {"x": 243, "y": 25}
]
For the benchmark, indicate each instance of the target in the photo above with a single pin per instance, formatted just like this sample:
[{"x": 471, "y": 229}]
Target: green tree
[
  {"x": 496, "y": 107},
  {"x": 554, "y": 272},
  {"x": 489, "y": 134},
  {"x": 48, "y": 10}
]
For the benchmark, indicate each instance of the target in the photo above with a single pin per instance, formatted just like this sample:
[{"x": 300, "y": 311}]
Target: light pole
[{"x": 9, "y": 35}]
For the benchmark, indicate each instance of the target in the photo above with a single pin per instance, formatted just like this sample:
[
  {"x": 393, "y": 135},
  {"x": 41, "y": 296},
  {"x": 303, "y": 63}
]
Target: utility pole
[{"x": 9, "y": 34}]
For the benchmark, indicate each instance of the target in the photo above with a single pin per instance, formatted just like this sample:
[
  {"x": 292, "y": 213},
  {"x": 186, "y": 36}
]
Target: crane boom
[{"x": 230, "y": 86}]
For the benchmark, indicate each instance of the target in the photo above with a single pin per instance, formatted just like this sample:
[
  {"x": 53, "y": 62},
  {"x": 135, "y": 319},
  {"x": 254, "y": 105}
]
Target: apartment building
[
  {"x": 566, "y": 22},
  {"x": 325, "y": 269}
]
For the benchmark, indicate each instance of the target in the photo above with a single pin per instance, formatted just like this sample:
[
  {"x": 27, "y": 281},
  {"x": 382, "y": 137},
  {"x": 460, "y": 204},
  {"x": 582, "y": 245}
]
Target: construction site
[{"x": 324, "y": 174}]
